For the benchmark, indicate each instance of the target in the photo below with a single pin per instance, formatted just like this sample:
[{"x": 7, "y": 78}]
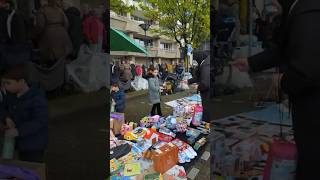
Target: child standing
[
  {"x": 25, "y": 110},
  {"x": 154, "y": 91},
  {"x": 118, "y": 96}
]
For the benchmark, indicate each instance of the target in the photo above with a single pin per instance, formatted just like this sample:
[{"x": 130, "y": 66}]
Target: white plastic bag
[
  {"x": 139, "y": 83},
  {"x": 89, "y": 71}
]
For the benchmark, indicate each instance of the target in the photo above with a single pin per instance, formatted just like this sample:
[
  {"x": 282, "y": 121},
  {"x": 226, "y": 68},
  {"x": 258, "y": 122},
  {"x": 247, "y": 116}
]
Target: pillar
[{"x": 244, "y": 14}]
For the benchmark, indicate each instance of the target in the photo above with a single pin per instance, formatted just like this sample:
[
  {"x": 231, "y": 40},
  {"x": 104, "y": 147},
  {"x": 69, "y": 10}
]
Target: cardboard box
[
  {"x": 39, "y": 168},
  {"x": 116, "y": 122}
]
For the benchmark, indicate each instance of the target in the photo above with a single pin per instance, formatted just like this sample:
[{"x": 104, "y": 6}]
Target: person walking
[{"x": 297, "y": 53}]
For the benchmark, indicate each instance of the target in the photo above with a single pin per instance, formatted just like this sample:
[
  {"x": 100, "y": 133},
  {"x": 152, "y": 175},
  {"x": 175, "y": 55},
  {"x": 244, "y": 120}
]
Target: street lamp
[{"x": 145, "y": 26}]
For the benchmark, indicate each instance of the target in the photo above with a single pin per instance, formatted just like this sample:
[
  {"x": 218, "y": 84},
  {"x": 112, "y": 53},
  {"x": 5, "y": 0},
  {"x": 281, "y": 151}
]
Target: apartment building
[{"x": 161, "y": 49}]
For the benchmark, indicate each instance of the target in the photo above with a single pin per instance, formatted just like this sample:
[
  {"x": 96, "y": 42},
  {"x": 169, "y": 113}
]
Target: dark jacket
[
  {"x": 19, "y": 32},
  {"x": 30, "y": 114},
  {"x": 119, "y": 98},
  {"x": 75, "y": 28},
  {"x": 202, "y": 75},
  {"x": 297, "y": 52}
]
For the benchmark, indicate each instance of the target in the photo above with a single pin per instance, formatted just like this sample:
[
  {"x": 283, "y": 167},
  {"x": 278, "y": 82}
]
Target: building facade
[{"x": 161, "y": 49}]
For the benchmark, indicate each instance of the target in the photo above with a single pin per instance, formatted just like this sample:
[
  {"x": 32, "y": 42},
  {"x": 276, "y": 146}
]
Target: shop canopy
[{"x": 121, "y": 42}]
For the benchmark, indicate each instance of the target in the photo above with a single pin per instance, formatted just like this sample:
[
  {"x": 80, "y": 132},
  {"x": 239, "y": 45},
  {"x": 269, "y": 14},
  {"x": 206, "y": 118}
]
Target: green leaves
[
  {"x": 187, "y": 21},
  {"x": 119, "y": 7}
]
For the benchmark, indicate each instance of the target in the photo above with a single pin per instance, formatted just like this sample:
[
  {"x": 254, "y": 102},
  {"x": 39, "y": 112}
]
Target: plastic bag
[
  {"x": 139, "y": 83},
  {"x": 90, "y": 70}
]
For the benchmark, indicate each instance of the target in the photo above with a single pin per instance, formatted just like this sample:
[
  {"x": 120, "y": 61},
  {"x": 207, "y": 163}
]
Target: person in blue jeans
[
  {"x": 24, "y": 108},
  {"x": 118, "y": 95}
]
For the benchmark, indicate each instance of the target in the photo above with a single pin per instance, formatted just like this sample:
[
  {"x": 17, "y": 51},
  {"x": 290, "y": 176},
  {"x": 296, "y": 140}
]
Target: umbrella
[{"x": 121, "y": 42}]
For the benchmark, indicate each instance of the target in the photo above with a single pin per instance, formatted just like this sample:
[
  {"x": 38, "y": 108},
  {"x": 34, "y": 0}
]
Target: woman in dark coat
[
  {"x": 298, "y": 53},
  {"x": 75, "y": 28},
  {"x": 202, "y": 78}
]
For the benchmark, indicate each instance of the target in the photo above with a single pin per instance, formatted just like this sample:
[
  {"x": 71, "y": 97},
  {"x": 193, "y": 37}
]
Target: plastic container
[{"x": 8, "y": 145}]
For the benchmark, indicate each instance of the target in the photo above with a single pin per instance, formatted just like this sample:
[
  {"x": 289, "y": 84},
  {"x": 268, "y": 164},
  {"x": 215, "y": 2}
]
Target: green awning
[{"x": 121, "y": 42}]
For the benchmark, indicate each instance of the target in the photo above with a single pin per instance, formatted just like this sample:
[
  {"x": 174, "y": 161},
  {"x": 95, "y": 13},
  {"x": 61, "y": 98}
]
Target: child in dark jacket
[
  {"x": 118, "y": 96},
  {"x": 24, "y": 108}
]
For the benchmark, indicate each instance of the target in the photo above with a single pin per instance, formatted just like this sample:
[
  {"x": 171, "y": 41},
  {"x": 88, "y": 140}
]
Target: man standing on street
[{"x": 299, "y": 55}]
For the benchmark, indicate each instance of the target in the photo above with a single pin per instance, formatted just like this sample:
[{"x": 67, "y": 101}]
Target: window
[
  {"x": 138, "y": 18},
  {"x": 165, "y": 46},
  {"x": 141, "y": 42}
]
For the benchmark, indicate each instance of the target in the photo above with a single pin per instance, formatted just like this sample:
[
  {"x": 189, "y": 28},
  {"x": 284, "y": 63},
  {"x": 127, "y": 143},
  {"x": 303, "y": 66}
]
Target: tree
[
  {"x": 119, "y": 6},
  {"x": 186, "y": 21}
]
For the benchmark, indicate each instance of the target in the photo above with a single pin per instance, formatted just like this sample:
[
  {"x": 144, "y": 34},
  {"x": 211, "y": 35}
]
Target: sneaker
[
  {"x": 181, "y": 158},
  {"x": 186, "y": 157},
  {"x": 189, "y": 153},
  {"x": 192, "y": 151}
]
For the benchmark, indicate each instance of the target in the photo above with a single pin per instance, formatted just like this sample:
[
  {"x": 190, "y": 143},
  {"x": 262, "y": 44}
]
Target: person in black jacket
[
  {"x": 298, "y": 56},
  {"x": 202, "y": 78},
  {"x": 24, "y": 109},
  {"x": 16, "y": 33}
]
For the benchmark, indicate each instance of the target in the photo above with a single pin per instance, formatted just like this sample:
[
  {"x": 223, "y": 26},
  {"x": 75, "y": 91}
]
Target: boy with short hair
[
  {"x": 25, "y": 109},
  {"x": 118, "y": 96}
]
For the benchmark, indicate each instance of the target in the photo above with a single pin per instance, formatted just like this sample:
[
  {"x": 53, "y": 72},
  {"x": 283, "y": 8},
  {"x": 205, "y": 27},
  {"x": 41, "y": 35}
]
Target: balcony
[
  {"x": 127, "y": 25},
  {"x": 162, "y": 53}
]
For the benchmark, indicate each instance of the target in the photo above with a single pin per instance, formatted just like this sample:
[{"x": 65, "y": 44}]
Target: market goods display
[{"x": 154, "y": 148}]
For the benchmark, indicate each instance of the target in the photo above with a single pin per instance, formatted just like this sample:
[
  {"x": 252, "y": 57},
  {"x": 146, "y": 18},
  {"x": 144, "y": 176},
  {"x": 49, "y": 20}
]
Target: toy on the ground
[
  {"x": 130, "y": 136},
  {"x": 182, "y": 127},
  {"x": 193, "y": 135},
  {"x": 154, "y": 176},
  {"x": 141, "y": 147},
  {"x": 114, "y": 165},
  {"x": 154, "y": 128},
  {"x": 125, "y": 128},
  {"x": 144, "y": 122},
  {"x": 133, "y": 125},
  {"x": 197, "y": 115},
  {"x": 139, "y": 132},
  {"x": 180, "y": 144},
  {"x": 167, "y": 132},
  {"x": 164, "y": 137},
  {"x": 154, "y": 119},
  {"x": 200, "y": 143},
  {"x": 151, "y": 137},
  {"x": 177, "y": 171},
  {"x": 171, "y": 123},
  {"x": 191, "y": 132},
  {"x": 160, "y": 123},
  {"x": 113, "y": 140},
  {"x": 203, "y": 130}
]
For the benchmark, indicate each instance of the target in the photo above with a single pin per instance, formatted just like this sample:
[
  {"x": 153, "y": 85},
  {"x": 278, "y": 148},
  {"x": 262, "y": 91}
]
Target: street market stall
[{"x": 158, "y": 147}]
